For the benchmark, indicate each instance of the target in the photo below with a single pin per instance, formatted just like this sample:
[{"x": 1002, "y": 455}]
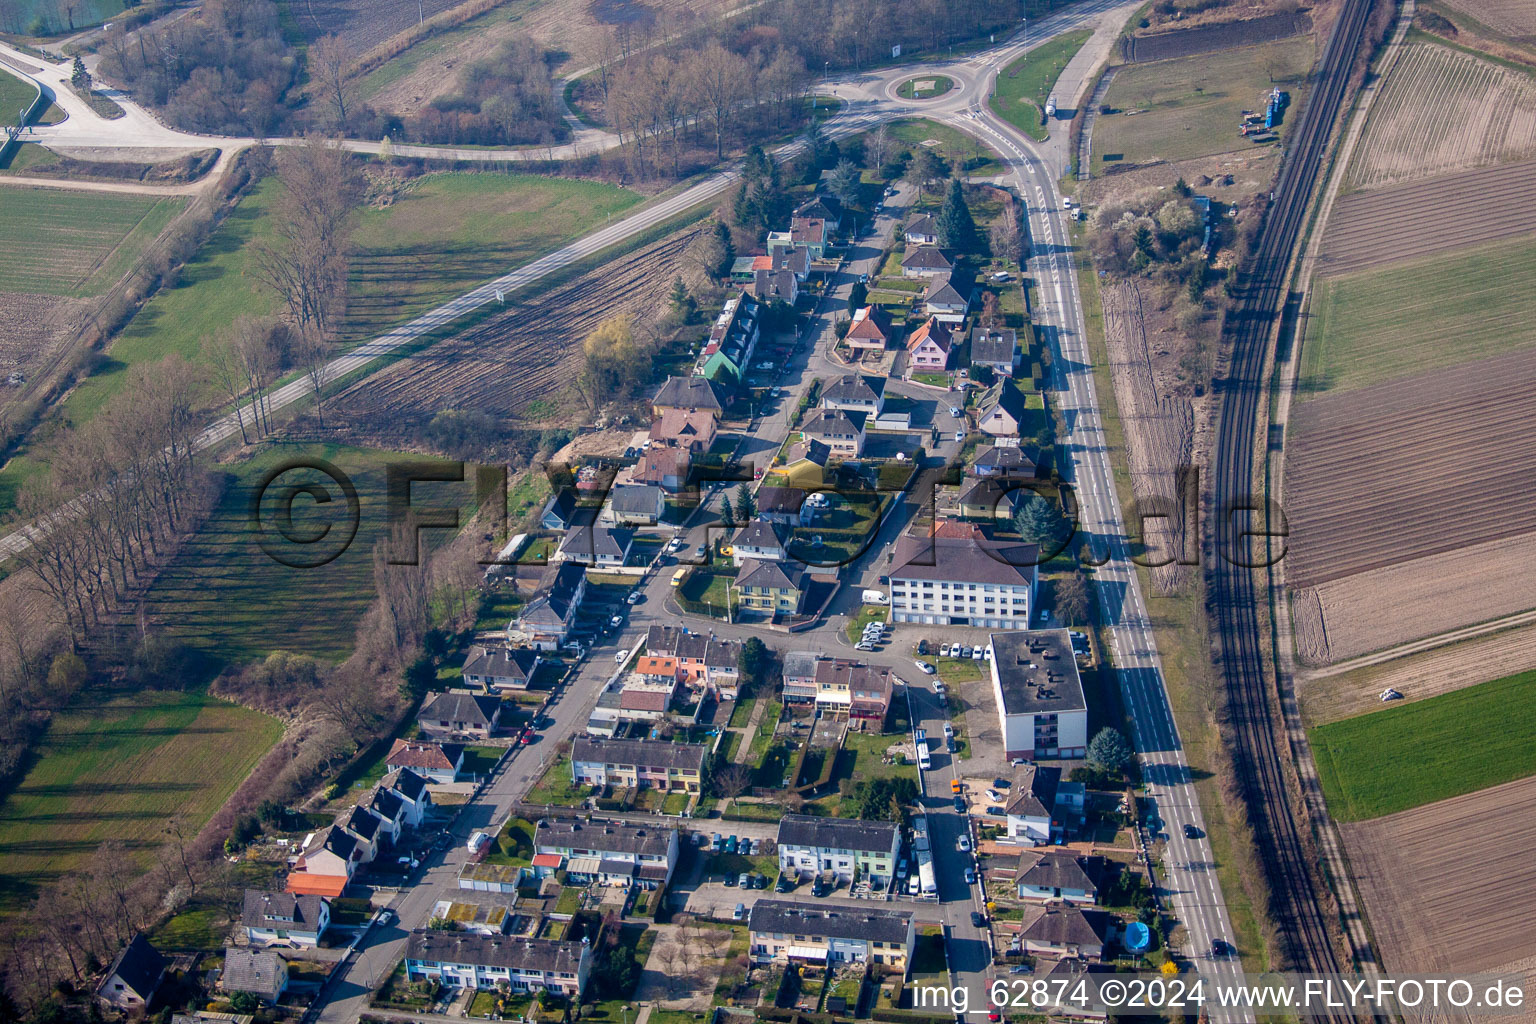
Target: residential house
[
  {"x": 1005, "y": 462},
  {"x": 547, "y": 618},
  {"x": 796, "y": 259},
  {"x": 403, "y": 797},
  {"x": 775, "y": 286},
  {"x": 947, "y": 299},
  {"x": 258, "y": 972},
  {"x": 459, "y": 714},
  {"x": 784, "y": 506},
  {"x": 664, "y": 467},
  {"x": 559, "y": 510},
  {"x": 996, "y": 348},
  {"x": 638, "y": 764},
  {"x": 963, "y": 582},
  {"x": 1063, "y": 930},
  {"x": 793, "y": 932},
  {"x": 805, "y": 462},
  {"x": 646, "y": 698},
  {"x": 811, "y": 232},
  {"x": 736, "y": 330},
  {"x": 855, "y": 392},
  {"x": 928, "y": 347},
  {"x": 990, "y": 498},
  {"x": 692, "y": 430},
  {"x": 1001, "y": 409},
  {"x": 688, "y": 393},
  {"x": 811, "y": 845},
  {"x": 637, "y": 504},
  {"x": 1057, "y": 875},
  {"x": 284, "y": 917},
  {"x": 772, "y": 588},
  {"x": 869, "y": 331},
  {"x": 1039, "y": 694},
  {"x": 601, "y": 546},
  {"x": 849, "y": 689},
  {"x": 799, "y": 672},
  {"x": 922, "y": 230},
  {"x": 372, "y": 832},
  {"x": 500, "y": 668},
  {"x": 133, "y": 976},
  {"x": 760, "y": 540},
  {"x": 325, "y": 864},
  {"x": 1031, "y": 805},
  {"x": 612, "y": 851},
  {"x": 828, "y": 208},
  {"x": 463, "y": 959},
  {"x": 842, "y": 432},
  {"x": 925, "y": 261},
  {"x": 703, "y": 661},
  {"x": 437, "y": 762}
]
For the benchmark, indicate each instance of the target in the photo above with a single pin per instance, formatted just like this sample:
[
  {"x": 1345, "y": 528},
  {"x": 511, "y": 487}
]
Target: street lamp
[{"x": 626, "y": 1013}]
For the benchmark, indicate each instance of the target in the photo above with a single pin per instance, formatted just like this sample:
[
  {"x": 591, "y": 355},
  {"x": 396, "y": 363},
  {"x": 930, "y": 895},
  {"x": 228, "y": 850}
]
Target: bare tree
[
  {"x": 330, "y": 64},
  {"x": 719, "y": 79},
  {"x": 733, "y": 780}
]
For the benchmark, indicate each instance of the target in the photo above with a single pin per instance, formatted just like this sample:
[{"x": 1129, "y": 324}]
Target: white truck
[
  {"x": 478, "y": 845},
  {"x": 920, "y": 740}
]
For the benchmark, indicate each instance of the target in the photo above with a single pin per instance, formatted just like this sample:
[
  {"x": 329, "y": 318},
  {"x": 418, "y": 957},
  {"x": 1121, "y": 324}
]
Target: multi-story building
[
  {"x": 703, "y": 662},
  {"x": 842, "y": 432},
  {"x": 472, "y": 960},
  {"x": 610, "y": 851},
  {"x": 929, "y": 347},
  {"x": 1039, "y": 694},
  {"x": 638, "y": 763},
  {"x": 786, "y": 931},
  {"x": 546, "y": 620},
  {"x": 770, "y": 588},
  {"x": 963, "y": 581},
  {"x": 596, "y": 545},
  {"x": 842, "y": 846},
  {"x": 853, "y": 690}
]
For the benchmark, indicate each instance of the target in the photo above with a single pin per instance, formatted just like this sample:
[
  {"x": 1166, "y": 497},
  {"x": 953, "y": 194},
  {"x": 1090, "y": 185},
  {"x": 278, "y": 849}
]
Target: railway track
[{"x": 1296, "y": 906}]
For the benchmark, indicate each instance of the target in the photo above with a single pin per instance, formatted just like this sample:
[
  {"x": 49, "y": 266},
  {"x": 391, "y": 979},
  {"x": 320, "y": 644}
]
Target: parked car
[
  {"x": 740, "y": 913},
  {"x": 977, "y": 919},
  {"x": 717, "y": 842},
  {"x": 944, "y": 651},
  {"x": 732, "y": 844},
  {"x": 939, "y": 687},
  {"x": 865, "y": 646},
  {"x": 921, "y": 648},
  {"x": 959, "y": 437},
  {"x": 954, "y": 411},
  {"x": 949, "y": 730},
  {"x": 965, "y": 652},
  {"x": 635, "y": 597},
  {"x": 618, "y": 658},
  {"x": 963, "y": 844},
  {"x": 744, "y": 880},
  {"x": 925, "y": 668},
  {"x": 970, "y": 876},
  {"x": 730, "y": 880},
  {"x": 960, "y": 804},
  {"x": 994, "y": 796},
  {"x": 616, "y": 619},
  {"x": 783, "y": 884}
]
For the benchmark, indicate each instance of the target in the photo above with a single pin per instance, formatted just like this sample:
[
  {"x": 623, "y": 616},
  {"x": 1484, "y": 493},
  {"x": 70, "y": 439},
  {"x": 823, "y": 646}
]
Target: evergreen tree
[
  {"x": 1040, "y": 522},
  {"x": 746, "y": 504},
  {"x": 727, "y": 251},
  {"x": 1109, "y": 751},
  {"x": 858, "y": 296},
  {"x": 957, "y": 230},
  {"x": 79, "y": 77}
]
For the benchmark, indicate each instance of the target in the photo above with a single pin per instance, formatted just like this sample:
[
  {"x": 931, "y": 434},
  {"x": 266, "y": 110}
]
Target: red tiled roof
[
  {"x": 305, "y": 884},
  {"x": 547, "y": 860}
]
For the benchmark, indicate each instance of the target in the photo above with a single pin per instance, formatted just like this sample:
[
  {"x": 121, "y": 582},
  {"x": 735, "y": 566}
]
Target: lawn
[
  {"x": 229, "y": 598},
  {"x": 1429, "y": 750},
  {"x": 925, "y": 87},
  {"x": 1190, "y": 106},
  {"x": 1381, "y": 324},
  {"x": 15, "y": 95},
  {"x": 480, "y": 760},
  {"x": 959, "y": 670},
  {"x": 90, "y": 240},
  {"x": 556, "y": 786},
  {"x": 81, "y": 14},
  {"x": 869, "y": 613},
  {"x": 1024, "y": 86},
  {"x": 953, "y": 145},
  {"x": 862, "y": 753},
  {"x": 121, "y": 770}
]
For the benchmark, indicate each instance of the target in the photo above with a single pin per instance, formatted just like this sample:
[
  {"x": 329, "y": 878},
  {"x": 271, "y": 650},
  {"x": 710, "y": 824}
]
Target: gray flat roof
[
  {"x": 1036, "y": 672},
  {"x": 781, "y": 917}
]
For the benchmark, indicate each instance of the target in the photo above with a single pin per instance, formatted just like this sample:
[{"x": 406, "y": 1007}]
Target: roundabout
[{"x": 926, "y": 87}]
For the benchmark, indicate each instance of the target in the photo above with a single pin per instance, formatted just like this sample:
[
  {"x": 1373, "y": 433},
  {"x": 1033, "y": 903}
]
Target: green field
[
  {"x": 933, "y": 86},
  {"x": 21, "y": 15},
  {"x": 438, "y": 47},
  {"x": 226, "y": 597},
  {"x": 16, "y": 95},
  {"x": 1191, "y": 106},
  {"x": 1025, "y": 85},
  {"x": 960, "y": 149},
  {"x": 121, "y": 771},
  {"x": 1429, "y": 750},
  {"x": 1405, "y": 319},
  {"x": 75, "y": 243}
]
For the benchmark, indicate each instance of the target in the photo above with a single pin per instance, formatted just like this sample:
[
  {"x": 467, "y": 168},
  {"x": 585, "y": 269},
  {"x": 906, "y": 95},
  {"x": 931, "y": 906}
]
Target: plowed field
[
  {"x": 1442, "y": 110},
  {"x": 364, "y": 24},
  {"x": 1513, "y": 17},
  {"x": 1413, "y": 219},
  {"x": 1394, "y": 472},
  {"x": 529, "y": 353},
  {"x": 1451, "y": 886}
]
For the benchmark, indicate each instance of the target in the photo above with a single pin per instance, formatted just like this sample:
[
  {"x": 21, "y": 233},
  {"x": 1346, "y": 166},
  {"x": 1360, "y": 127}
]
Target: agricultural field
[
  {"x": 1464, "y": 864},
  {"x": 1511, "y": 17},
  {"x": 364, "y": 24},
  {"x": 121, "y": 770},
  {"x": 91, "y": 238},
  {"x": 1190, "y": 107},
  {"x": 529, "y": 353},
  {"x": 1437, "y": 311},
  {"x": 227, "y": 598},
  {"x": 574, "y": 28},
  {"x": 1408, "y": 756},
  {"x": 1412, "y": 598},
  {"x": 1327, "y": 696},
  {"x": 1414, "y": 219},
  {"x": 1024, "y": 86},
  {"x": 1431, "y": 464},
  {"x": 1442, "y": 110},
  {"x": 52, "y": 17},
  {"x": 1184, "y": 41}
]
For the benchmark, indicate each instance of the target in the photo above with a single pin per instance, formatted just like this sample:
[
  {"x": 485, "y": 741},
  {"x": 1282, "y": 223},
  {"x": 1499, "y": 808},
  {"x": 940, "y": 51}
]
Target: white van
[{"x": 876, "y": 597}]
